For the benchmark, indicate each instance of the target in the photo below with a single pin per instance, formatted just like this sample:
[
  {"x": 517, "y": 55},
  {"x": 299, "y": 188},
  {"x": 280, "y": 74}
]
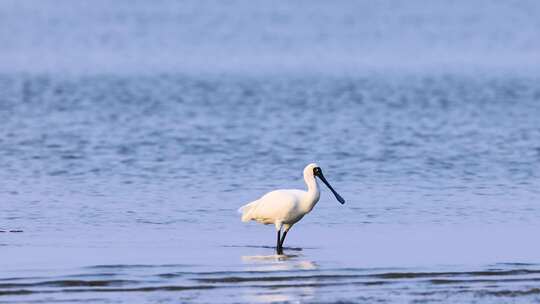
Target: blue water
[
  {"x": 260, "y": 37},
  {"x": 130, "y": 133}
]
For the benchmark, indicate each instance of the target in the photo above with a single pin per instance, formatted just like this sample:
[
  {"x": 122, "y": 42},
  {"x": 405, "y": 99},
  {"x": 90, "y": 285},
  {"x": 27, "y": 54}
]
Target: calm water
[{"x": 125, "y": 156}]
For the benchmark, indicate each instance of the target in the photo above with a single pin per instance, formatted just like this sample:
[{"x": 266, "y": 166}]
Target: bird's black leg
[
  {"x": 279, "y": 250},
  {"x": 283, "y": 239}
]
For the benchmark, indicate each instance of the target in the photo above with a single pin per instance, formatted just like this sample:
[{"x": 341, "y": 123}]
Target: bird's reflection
[
  {"x": 282, "y": 263},
  {"x": 278, "y": 262},
  {"x": 269, "y": 258}
]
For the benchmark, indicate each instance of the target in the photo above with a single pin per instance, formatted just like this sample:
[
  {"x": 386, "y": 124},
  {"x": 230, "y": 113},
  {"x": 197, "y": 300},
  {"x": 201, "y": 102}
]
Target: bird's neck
[{"x": 313, "y": 193}]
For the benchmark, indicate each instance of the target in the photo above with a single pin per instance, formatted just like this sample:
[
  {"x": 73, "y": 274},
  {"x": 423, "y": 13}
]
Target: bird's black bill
[{"x": 318, "y": 172}]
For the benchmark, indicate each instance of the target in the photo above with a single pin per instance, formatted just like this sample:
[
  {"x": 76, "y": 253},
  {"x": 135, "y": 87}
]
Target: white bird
[{"x": 285, "y": 207}]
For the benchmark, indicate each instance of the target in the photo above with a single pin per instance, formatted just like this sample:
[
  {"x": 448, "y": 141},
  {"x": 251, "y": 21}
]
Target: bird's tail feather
[{"x": 246, "y": 211}]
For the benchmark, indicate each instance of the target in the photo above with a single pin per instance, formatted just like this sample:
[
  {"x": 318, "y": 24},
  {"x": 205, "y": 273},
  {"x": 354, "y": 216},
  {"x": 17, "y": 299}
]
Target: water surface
[{"x": 125, "y": 155}]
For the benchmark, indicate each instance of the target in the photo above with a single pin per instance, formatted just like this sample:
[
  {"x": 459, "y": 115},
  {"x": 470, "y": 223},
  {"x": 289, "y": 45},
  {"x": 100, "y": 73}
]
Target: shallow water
[
  {"x": 132, "y": 184},
  {"x": 121, "y": 181}
]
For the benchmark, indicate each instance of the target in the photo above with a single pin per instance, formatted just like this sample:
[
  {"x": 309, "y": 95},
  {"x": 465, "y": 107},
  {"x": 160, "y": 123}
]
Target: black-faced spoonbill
[{"x": 285, "y": 207}]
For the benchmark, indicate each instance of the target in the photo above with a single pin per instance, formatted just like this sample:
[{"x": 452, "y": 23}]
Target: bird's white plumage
[{"x": 284, "y": 207}]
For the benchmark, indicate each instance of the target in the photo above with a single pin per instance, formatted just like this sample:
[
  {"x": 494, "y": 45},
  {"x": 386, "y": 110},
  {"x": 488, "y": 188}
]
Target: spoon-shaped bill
[{"x": 338, "y": 197}]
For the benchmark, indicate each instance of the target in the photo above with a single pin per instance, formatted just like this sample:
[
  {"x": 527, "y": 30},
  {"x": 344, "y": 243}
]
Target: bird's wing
[{"x": 274, "y": 206}]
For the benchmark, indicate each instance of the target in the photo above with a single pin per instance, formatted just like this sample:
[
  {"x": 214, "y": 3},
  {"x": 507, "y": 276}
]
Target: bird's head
[
  {"x": 309, "y": 170},
  {"x": 313, "y": 170}
]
